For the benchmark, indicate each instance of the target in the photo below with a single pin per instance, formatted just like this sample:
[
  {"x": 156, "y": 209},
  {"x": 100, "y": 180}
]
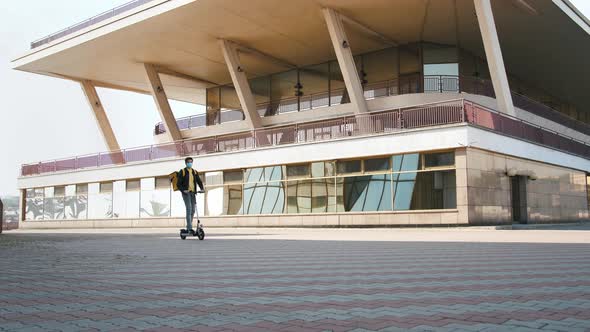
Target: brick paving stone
[{"x": 142, "y": 282}]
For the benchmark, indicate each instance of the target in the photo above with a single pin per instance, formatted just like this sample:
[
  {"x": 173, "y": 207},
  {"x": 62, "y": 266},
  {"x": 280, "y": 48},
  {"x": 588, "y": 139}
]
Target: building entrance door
[{"x": 518, "y": 198}]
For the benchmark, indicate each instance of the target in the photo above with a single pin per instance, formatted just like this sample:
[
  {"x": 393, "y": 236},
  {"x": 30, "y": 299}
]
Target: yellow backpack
[{"x": 174, "y": 179}]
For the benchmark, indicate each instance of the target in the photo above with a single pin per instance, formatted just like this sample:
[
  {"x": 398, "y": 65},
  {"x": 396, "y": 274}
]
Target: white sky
[{"x": 34, "y": 108}]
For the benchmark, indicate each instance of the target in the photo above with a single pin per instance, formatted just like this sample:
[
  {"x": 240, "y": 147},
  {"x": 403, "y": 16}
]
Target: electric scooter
[{"x": 199, "y": 232}]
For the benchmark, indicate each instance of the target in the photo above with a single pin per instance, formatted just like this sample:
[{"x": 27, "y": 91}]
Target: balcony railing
[
  {"x": 200, "y": 120},
  {"x": 404, "y": 85},
  {"x": 91, "y": 21},
  {"x": 383, "y": 122},
  {"x": 484, "y": 87}
]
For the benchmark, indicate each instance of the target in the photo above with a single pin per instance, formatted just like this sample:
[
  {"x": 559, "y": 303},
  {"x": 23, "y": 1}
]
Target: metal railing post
[{"x": 463, "y": 110}]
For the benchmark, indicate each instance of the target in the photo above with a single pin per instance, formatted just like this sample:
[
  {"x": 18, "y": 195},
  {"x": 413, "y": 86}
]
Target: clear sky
[{"x": 34, "y": 108}]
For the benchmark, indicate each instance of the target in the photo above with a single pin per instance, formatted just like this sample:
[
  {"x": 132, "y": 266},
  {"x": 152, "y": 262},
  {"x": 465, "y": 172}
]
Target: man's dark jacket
[{"x": 183, "y": 180}]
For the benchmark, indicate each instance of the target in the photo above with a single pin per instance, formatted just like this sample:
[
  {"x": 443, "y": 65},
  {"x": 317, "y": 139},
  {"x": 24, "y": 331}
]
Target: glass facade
[
  {"x": 401, "y": 182},
  {"x": 410, "y": 68},
  {"x": 390, "y": 71},
  {"x": 100, "y": 200},
  {"x": 223, "y": 105},
  {"x": 155, "y": 197},
  {"x": 129, "y": 206},
  {"x": 263, "y": 191},
  {"x": 53, "y": 204},
  {"x": 387, "y": 183},
  {"x": 76, "y": 203}
]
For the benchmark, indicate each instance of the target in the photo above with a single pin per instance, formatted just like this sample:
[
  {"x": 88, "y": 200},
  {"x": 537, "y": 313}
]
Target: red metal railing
[
  {"x": 91, "y": 21},
  {"x": 478, "y": 86},
  {"x": 481, "y": 116},
  {"x": 383, "y": 122}
]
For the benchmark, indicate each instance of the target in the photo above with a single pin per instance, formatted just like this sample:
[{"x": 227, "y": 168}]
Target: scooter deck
[{"x": 185, "y": 234}]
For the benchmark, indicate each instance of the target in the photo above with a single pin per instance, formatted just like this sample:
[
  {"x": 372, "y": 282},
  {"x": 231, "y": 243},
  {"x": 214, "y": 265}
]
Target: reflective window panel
[
  {"x": 425, "y": 190},
  {"x": 53, "y": 208},
  {"x": 34, "y": 204},
  {"x": 133, "y": 185},
  {"x": 264, "y": 174},
  {"x": 406, "y": 162},
  {"x": 298, "y": 171},
  {"x": 377, "y": 165},
  {"x": 439, "y": 159},
  {"x": 233, "y": 176},
  {"x": 264, "y": 198},
  {"x": 232, "y": 199},
  {"x": 100, "y": 204},
  {"x": 106, "y": 187},
  {"x": 163, "y": 182},
  {"x": 82, "y": 189},
  {"x": 214, "y": 178},
  {"x": 364, "y": 193},
  {"x": 349, "y": 166},
  {"x": 214, "y": 200},
  {"x": 126, "y": 198},
  {"x": 76, "y": 206},
  {"x": 155, "y": 203},
  {"x": 323, "y": 169}
]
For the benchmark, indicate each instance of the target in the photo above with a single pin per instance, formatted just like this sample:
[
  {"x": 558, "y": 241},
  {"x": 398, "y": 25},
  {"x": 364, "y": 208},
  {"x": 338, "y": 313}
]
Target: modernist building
[{"x": 329, "y": 112}]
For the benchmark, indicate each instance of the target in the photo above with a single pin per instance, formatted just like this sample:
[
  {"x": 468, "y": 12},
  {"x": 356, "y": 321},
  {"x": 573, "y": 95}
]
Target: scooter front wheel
[{"x": 201, "y": 234}]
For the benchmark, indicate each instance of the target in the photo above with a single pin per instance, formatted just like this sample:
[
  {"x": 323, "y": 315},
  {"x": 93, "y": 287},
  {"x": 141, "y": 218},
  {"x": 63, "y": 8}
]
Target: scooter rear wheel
[{"x": 182, "y": 235}]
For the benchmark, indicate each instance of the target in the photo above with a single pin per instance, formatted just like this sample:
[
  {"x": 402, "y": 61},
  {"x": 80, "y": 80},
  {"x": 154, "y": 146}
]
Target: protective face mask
[{"x": 189, "y": 165}]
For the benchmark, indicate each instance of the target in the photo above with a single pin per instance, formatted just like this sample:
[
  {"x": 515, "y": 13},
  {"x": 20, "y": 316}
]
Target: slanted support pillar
[
  {"x": 241, "y": 84},
  {"x": 491, "y": 43},
  {"x": 100, "y": 116},
  {"x": 345, "y": 59},
  {"x": 157, "y": 90}
]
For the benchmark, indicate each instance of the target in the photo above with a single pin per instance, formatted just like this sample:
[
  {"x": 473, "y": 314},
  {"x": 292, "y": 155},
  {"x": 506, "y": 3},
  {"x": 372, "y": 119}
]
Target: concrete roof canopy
[{"x": 545, "y": 42}]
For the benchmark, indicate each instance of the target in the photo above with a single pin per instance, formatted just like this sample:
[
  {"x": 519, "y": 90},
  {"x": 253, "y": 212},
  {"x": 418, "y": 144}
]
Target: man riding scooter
[{"x": 187, "y": 181}]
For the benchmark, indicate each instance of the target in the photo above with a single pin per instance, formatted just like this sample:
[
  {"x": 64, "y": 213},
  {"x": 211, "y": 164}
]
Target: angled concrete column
[
  {"x": 157, "y": 90},
  {"x": 241, "y": 84},
  {"x": 491, "y": 43},
  {"x": 100, "y": 116},
  {"x": 345, "y": 59}
]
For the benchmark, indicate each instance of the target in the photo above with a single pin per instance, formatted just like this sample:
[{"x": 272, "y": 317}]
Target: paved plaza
[{"x": 297, "y": 280}]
